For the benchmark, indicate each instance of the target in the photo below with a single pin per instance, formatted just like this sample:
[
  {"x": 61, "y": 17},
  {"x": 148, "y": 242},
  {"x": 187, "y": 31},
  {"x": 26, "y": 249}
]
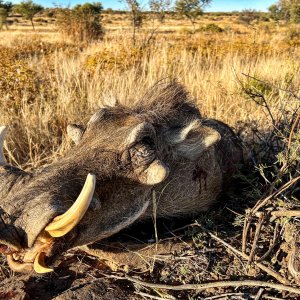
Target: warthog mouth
[{"x": 47, "y": 244}]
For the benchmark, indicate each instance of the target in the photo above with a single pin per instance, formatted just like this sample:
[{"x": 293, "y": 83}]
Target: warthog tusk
[
  {"x": 39, "y": 264},
  {"x": 64, "y": 223}
]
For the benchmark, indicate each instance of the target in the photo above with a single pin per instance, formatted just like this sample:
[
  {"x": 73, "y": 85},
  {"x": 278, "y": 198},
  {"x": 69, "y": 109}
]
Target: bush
[
  {"x": 50, "y": 14},
  {"x": 264, "y": 19},
  {"x": 292, "y": 34},
  {"x": 185, "y": 30},
  {"x": 82, "y": 23},
  {"x": 213, "y": 28},
  {"x": 120, "y": 59},
  {"x": 41, "y": 20},
  {"x": 247, "y": 16}
]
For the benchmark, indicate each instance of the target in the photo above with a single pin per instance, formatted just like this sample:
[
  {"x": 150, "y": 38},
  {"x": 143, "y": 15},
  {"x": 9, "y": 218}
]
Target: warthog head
[
  {"x": 97, "y": 189},
  {"x": 126, "y": 151}
]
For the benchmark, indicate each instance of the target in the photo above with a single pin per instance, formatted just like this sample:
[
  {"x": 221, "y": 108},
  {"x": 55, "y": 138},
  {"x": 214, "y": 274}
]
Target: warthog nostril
[{"x": 17, "y": 266}]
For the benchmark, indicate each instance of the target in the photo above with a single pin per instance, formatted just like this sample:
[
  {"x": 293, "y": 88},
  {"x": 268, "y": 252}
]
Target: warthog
[{"x": 123, "y": 152}]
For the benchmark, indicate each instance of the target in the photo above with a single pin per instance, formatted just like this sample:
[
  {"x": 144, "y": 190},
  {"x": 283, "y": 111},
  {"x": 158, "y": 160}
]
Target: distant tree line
[
  {"x": 191, "y": 9},
  {"x": 83, "y": 22}
]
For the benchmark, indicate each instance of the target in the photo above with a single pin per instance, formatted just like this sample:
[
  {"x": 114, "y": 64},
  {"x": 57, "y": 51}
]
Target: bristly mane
[{"x": 166, "y": 102}]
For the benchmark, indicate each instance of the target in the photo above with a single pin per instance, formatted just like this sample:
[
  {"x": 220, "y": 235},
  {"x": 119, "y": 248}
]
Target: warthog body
[{"x": 130, "y": 152}]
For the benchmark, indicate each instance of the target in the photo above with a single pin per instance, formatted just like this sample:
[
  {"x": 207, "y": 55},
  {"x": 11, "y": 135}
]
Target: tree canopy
[
  {"x": 191, "y": 9},
  {"x": 288, "y": 10},
  {"x": 28, "y": 9}
]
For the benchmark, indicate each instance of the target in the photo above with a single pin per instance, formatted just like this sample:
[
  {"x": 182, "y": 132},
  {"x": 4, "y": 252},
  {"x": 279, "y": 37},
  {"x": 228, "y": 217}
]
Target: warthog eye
[{"x": 148, "y": 141}]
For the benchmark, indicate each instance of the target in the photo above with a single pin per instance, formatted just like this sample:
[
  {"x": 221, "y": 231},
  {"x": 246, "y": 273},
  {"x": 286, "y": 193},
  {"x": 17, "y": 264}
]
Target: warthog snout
[{"x": 60, "y": 226}]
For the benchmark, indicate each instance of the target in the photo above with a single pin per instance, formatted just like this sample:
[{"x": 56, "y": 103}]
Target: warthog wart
[{"x": 161, "y": 143}]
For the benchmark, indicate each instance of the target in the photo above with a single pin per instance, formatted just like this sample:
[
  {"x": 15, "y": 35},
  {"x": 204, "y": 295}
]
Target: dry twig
[
  {"x": 153, "y": 297},
  {"x": 256, "y": 237},
  {"x": 204, "y": 286},
  {"x": 235, "y": 295},
  {"x": 259, "y": 294},
  {"x": 274, "y": 242},
  {"x": 247, "y": 223}
]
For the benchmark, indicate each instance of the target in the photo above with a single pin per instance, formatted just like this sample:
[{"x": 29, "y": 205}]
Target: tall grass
[{"x": 73, "y": 82}]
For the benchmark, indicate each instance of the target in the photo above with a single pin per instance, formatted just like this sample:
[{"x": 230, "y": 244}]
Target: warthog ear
[
  {"x": 139, "y": 132},
  {"x": 75, "y": 132},
  {"x": 2, "y": 137},
  {"x": 192, "y": 140}
]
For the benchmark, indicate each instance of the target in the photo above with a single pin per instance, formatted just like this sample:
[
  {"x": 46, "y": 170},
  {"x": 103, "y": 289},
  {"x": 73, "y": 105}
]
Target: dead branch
[
  {"x": 236, "y": 295},
  {"x": 259, "y": 294},
  {"x": 256, "y": 237},
  {"x": 285, "y": 213},
  {"x": 264, "y": 201},
  {"x": 274, "y": 242},
  {"x": 292, "y": 132},
  {"x": 204, "y": 286},
  {"x": 247, "y": 223},
  {"x": 153, "y": 297}
]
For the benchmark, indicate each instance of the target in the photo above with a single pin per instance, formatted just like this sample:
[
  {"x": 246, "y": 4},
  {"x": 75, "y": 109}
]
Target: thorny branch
[{"x": 273, "y": 86}]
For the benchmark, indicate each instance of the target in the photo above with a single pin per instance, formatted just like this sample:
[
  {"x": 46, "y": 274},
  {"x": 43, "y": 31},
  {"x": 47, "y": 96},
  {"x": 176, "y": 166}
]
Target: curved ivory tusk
[
  {"x": 39, "y": 264},
  {"x": 64, "y": 223},
  {"x": 2, "y": 137}
]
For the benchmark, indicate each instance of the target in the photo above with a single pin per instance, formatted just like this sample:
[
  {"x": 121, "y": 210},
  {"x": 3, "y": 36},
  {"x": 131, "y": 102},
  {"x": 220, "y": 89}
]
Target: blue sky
[{"x": 217, "y": 5}]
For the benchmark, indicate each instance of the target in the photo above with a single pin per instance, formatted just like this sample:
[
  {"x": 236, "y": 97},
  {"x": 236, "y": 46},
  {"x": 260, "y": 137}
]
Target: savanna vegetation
[{"x": 242, "y": 68}]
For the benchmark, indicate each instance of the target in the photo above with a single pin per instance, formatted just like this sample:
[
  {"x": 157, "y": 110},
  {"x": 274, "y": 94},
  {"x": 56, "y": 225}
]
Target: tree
[
  {"x": 288, "y": 10},
  {"x": 28, "y": 9},
  {"x": 160, "y": 7},
  {"x": 294, "y": 10},
  {"x": 275, "y": 12},
  {"x": 89, "y": 9},
  {"x": 136, "y": 16},
  {"x": 247, "y": 16},
  {"x": 5, "y": 8},
  {"x": 191, "y": 9},
  {"x": 82, "y": 23}
]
